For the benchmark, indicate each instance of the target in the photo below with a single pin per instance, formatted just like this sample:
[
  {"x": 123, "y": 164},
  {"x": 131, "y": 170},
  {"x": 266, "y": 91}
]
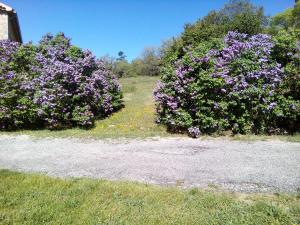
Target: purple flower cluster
[
  {"x": 235, "y": 87},
  {"x": 64, "y": 85},
  {"x": 194, "y": 132},
  {"x": 7, "y": 49},
  {"x": 234, "y": 69}
]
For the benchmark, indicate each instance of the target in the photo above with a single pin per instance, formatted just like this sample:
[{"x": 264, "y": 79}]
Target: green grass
[
  {"x": 136, "y": 119},
  {"x": 36, "y": 199}
]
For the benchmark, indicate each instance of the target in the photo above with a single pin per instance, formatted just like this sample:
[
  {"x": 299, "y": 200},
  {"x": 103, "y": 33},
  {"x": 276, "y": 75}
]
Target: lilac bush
[
  {"x": 16, "y": 105},
  {"x": 232, "y": 84},
  {"x": 55, "y": 85}
]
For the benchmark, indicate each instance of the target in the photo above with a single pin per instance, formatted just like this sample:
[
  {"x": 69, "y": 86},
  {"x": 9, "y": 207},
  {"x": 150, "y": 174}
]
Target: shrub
[
  {"x": 234, "y": 84},
  {"x": 16, "y": 103},
  {"x": 54, "y": 85},
  {"x": 286, "y": 51}
]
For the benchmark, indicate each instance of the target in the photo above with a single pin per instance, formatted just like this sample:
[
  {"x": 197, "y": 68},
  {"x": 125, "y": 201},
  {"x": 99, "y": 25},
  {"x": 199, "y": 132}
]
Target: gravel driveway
[{"x": 261, "y": 166}]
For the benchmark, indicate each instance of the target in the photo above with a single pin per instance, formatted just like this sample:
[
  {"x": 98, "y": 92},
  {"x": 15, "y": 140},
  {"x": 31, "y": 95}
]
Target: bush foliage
[
  {"x": 243, "y": 83},
  {"x": 54, "y": 84},
  {"x": 237, "y": 15}
]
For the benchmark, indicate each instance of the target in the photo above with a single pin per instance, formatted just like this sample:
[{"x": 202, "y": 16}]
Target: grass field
[
  {"x": 36, "y": 199},
  {"x": 136, "y": 119}
]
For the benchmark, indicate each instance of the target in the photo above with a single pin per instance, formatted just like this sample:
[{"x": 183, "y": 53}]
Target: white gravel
[{"x": 260, "y": 166}]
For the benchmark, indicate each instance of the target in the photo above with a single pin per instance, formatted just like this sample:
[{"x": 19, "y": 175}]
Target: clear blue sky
[{"x": 105, "y": 27}]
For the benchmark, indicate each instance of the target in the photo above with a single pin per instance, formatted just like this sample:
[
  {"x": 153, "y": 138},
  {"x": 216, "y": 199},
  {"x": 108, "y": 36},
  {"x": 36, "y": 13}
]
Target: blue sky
[{"x": 105, "y": 27}]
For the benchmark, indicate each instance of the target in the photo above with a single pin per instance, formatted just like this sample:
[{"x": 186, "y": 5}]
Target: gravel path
[{"x": 261, "y": 166}]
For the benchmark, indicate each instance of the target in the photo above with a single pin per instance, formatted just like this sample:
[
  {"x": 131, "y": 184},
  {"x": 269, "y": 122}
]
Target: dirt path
[{"x": 261, "y": 166}]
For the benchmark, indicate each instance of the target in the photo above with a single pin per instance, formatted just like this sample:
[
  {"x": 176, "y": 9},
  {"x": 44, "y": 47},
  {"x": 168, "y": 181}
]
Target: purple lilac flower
[
  {"x": 272, "y": 105},
  {"x": 194, "y": 132}
]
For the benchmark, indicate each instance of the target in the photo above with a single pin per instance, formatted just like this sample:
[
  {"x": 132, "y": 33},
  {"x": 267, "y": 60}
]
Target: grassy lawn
[
  {"x": 136, "y": 120},
  {"x": 37, "y": 199}
]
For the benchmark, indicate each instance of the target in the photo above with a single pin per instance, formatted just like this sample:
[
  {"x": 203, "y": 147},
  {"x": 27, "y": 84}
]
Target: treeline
[{"x": 148, "y": 64}]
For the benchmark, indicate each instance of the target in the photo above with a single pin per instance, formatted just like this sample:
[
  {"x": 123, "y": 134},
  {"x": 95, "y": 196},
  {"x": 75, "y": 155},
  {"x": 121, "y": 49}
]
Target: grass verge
[{"x": 36, "y": 199}]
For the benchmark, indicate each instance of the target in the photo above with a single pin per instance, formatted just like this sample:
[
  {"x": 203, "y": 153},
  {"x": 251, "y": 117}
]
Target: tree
[
  {"x": 237, "y": 15},
  {"x": 296, "y": 15},
  {"x": 151, "y": 60},
  {"x": 121, "y": 55},
  {"x": 137, "y": 67},
  {"x": 122, "y": 68},
  {"x": 108, "y": 60},
  {"x": 282, "y": 20},
  {"x": 287, "y": 20}
]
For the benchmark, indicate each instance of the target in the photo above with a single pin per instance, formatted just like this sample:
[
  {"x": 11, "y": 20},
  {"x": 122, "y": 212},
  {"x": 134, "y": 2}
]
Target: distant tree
[
  {"x": 151, "y": 60},
  {"x": 283, "y": 20},
  {"x": 296, "y": 15},
  {"x": 148, "y": 64},
  {"x": 122, "y": 68},
  {"x": 287, "y": 20},
  {"x": 121, "y": 56},
  {"x": 137, "y": 67},
  {"x": 109, "y": 61}
]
